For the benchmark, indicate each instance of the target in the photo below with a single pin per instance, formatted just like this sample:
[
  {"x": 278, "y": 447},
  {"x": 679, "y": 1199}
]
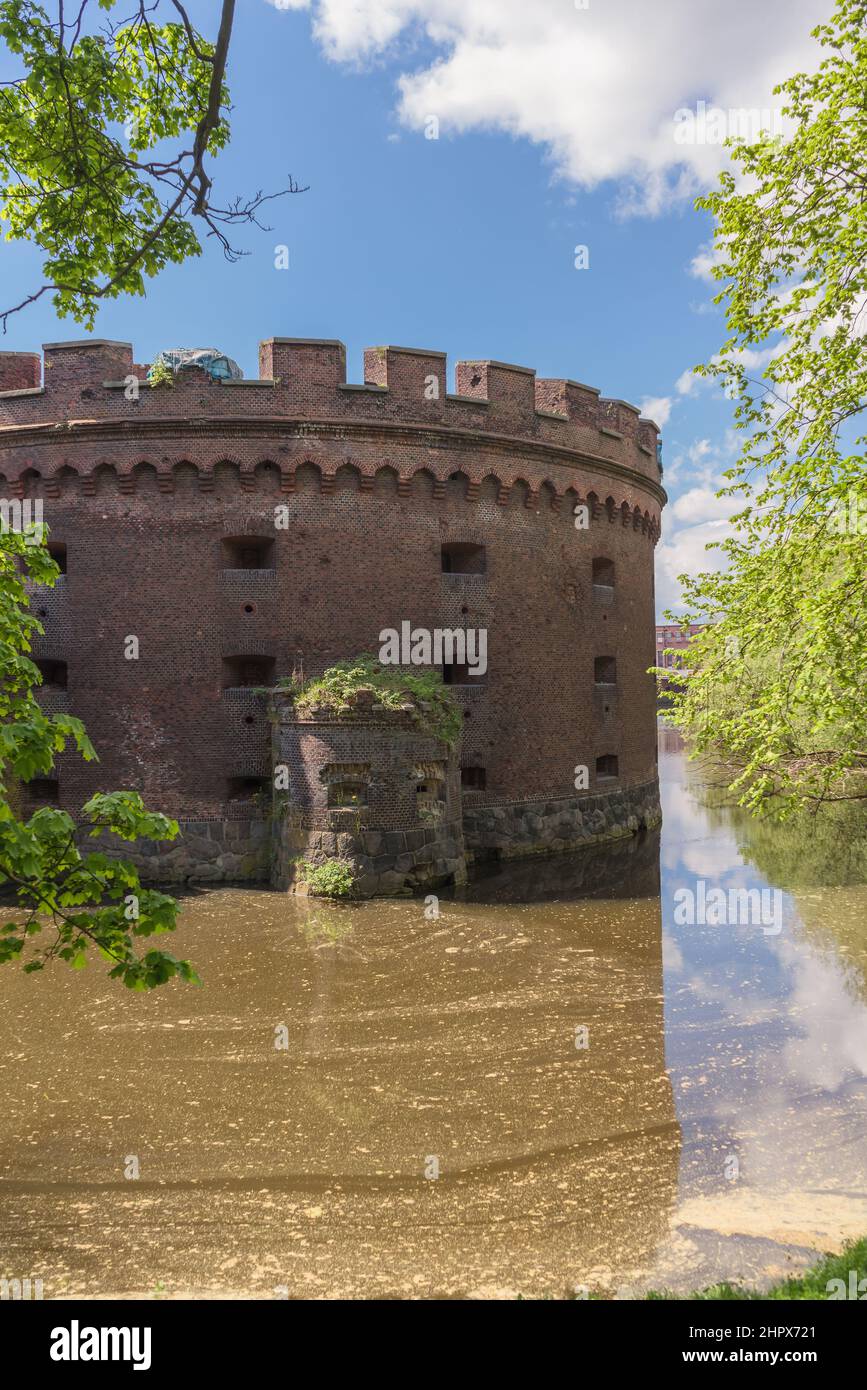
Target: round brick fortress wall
[{"x": 161, "y": 496}]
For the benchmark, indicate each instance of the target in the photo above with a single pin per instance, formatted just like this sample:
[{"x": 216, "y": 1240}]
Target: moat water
[{"x": 368, "y": 1101}]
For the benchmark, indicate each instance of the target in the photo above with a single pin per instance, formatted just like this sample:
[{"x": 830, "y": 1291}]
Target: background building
[{"x": 669, "y": 635}]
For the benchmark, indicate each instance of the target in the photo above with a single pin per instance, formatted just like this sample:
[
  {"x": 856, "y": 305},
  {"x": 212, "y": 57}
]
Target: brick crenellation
[{"x": 87, "y": 384}]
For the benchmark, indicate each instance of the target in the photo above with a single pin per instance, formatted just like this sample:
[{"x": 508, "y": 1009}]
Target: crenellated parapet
[{"x": 94, "y": 387}]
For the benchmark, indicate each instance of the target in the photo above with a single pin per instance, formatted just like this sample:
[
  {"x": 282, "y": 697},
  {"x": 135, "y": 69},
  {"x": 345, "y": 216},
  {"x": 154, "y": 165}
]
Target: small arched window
[
  {"x": 247, "y": 671},
  {"x": 603, "y": 572},
  {"x": 44, "y": 790},
  {"x": 605, "y": 670},
  {"x": 474, "y": 779},
  {"x": 248, "y": 552},
  {"x": 254, "y": 789},
  {"x": 54, "y": 674},
  {"x": 462, "y": 557},
  {"x": 57, "y": 551},
  {"x": 349, "y": 791}
]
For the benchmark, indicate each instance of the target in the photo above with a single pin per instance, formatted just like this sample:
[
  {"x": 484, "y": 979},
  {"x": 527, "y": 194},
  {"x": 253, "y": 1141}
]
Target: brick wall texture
[{"x": 145, "y": 486}]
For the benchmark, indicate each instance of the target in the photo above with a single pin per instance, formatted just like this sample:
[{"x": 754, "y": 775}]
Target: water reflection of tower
[
  {"x": 671, "y": 740},
  {"x": 328, "y": 931}
]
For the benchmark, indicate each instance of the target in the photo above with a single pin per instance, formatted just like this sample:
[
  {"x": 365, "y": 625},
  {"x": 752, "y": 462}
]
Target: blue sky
[{"x": 555, "y": 131}]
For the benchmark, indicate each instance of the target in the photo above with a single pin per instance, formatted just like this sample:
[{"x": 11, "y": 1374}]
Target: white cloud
[
  {"x": 693, "y": 519},
  {"x": 684, "y": 552},
  {"x": 751, "y": 359},
  {"x": 699, "y": 450},
  {"x": 755, "y": 359},
  {"x": 701, "y": 461},
  {"x": 703, "y": 307},
  {"x": 597, "y": 89},
  {"x": 701, "y": 504},
  {"x": 656, "y": 408},
  {"x": 705, "y": 261}
]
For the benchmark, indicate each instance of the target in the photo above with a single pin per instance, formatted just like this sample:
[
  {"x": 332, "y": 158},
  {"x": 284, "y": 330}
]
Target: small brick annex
[{"x": 400, "y": 502}]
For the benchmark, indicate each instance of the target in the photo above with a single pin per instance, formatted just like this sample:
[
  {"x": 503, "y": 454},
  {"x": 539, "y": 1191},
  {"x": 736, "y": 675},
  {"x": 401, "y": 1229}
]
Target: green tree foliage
[
  {"x": 88, "y": 168},
  {"x": 71, "y": 903},
  {"x": 779, "y": 677}
]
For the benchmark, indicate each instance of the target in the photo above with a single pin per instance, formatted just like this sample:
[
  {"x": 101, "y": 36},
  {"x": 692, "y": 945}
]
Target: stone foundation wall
[
  {"x": 256, "y": 850},
  {"x": 520, "y": 828},
  {"x": 211, "y": 851},
  {"x": 386, "y": 862}
]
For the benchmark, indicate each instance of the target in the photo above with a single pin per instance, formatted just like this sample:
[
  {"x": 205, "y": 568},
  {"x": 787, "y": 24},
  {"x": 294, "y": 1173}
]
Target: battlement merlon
[
  {"x": 20, "y": 371},
  {"x": 85, "y": 363},
  {"x": 304, "y": 378},
  {"x": 315, "y": 367}
]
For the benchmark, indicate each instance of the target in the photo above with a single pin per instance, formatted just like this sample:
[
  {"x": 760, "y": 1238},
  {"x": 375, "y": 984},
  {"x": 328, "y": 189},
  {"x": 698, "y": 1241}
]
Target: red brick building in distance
[
  {"x": 400, "y": 502},
  {"x": 670, "y": 636}
]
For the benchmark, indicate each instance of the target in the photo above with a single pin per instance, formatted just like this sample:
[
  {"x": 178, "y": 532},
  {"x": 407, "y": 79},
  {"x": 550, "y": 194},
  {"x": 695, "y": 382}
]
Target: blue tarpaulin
[{"x": 214, "y": 362}]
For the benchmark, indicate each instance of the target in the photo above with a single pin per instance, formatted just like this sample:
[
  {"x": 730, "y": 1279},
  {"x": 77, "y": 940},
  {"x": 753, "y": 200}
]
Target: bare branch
[
  {"x": 191, "y": 33},
  {"x": 184, "y": 178}
]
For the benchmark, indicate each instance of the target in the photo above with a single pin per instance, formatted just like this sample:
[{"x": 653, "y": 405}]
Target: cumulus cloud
[
  {"x": 700, "y": 461},
  {"x": 701, "y": 504},
  {"x": 687, "y": 383},
  {"x": 684, "y": 552},
  {"x": 753, "y": 360},
  {"x": 656, "y": 408},
  {"x": 695, "y": 517},
  {"x": 598, "y": 89},
  {"x": 705, "y": 262}
]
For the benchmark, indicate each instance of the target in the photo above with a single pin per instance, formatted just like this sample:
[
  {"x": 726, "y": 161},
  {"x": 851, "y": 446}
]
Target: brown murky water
[{"x": 288, "y": 1117}]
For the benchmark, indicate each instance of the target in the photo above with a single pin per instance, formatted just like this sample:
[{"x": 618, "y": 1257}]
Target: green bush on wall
[
  {"x": 161, "y": 374},
  {"x": 434, "y": 710},
  {"x": 334, "y": 879}
]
